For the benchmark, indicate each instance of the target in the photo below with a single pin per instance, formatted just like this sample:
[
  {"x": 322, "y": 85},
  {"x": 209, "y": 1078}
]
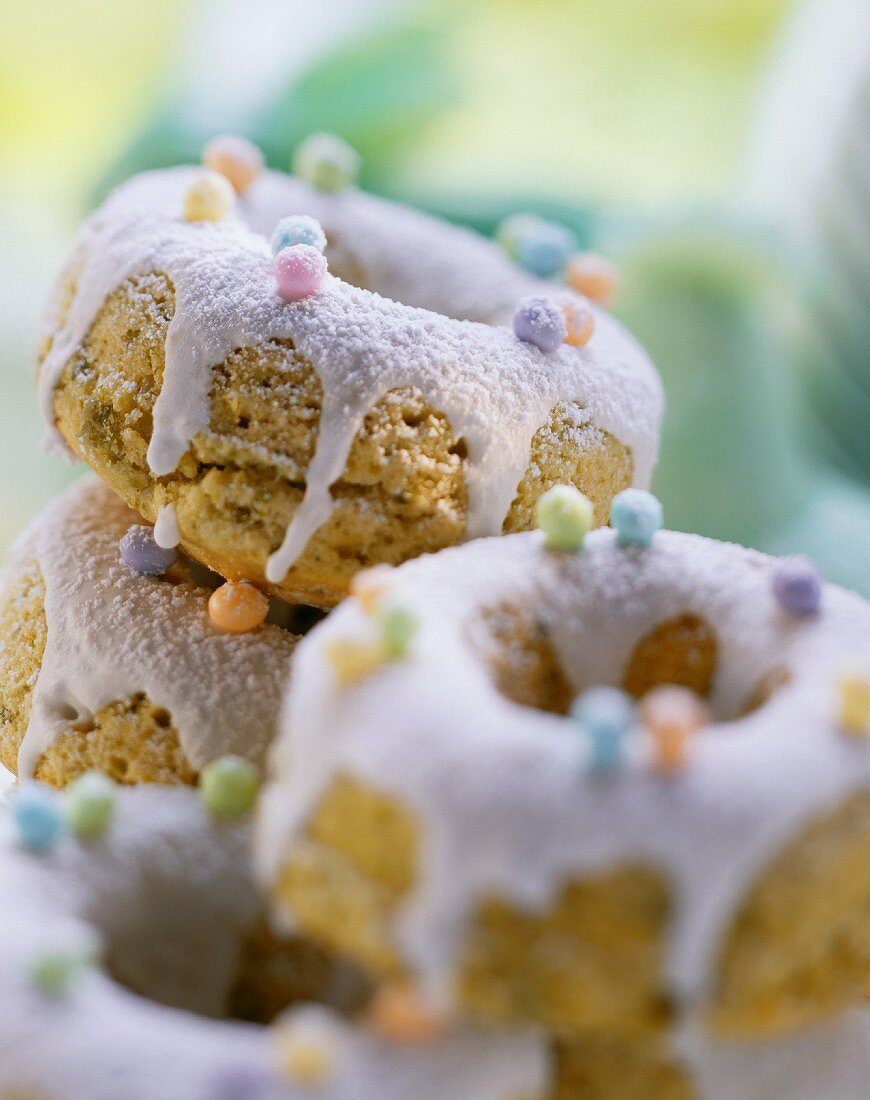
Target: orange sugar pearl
[
  {"x": 592, "y": 275},
  {"x": 370, "y": 586},
  {"x": 236, "y": 158},
  {"x": 579, "y": 319},
  {"x": 237, "y": 607},
  {"x": 400, "y": 1015},
  {"x": 672, "y": 714}
]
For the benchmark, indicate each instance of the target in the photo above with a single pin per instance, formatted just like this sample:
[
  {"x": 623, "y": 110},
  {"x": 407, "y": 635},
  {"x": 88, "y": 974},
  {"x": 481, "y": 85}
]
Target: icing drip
[
  {"x": 166, "y": 533},
  {"x": 113, "y": 633},
  {"x": 495, "y": 390},
  {"x": 514, "y": 784}
]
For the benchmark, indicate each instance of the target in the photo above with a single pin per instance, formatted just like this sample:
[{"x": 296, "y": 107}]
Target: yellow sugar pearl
[
  {"x": 234, "y": 157},
  {"x": 237, "y": 607},
  {"x": 400, "y": 1015},
  {"x": 853, "y": 703},
  {"x": 307, "y": 1063},
  {"x": 208, "y": 199},
  {"x": 579, "y": 319},
  {"x": 353, "y": 660},
  {"x": 672, "y": 714},
  {"x": 592, "y": 275},
  {"x": 370, "y": 586},
  {"x": 306, "y": 1052}
]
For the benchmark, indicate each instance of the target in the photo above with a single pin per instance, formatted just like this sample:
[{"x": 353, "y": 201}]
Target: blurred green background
[{"x": 665, "y": 132}]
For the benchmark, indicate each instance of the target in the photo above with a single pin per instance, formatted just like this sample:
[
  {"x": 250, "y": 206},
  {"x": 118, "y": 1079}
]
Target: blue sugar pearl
[
  {"x": 544, "y": 248},
  {"x": 797, "y": 586},
  {"x": 514, "y": 228},
  {"x": 605, "y": 714},
  {"x": 141, "y": 553},
  {"x": 539, "y": 321},
  {"x": 636, "y": 515},
  {"x": 298, "y": 229},
  {"x": 36, "y": 810}
]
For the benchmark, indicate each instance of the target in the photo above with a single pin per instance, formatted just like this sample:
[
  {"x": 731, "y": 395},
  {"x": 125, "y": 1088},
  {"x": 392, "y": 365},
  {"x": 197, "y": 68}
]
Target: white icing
[
  {"x": 169, "y": 893},
  {"x": 831, "y": 1060},
  {"x": 495, "y": 390},
  {"x": 113, "y": 633},
  {"x": 166, "y": 533},
  {"x": 504, "y": 800}
]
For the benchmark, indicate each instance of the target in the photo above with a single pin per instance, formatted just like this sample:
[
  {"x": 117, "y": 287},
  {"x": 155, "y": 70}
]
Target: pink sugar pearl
[{"x": 299, "y": 270}]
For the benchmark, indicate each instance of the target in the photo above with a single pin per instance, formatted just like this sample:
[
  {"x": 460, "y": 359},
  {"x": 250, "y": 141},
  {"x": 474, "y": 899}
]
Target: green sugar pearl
[
  {"x": 398, "y": 625},
  {"x": 90, "y": 800},
  {"x": 55, "y": 972},
  {"x": 229, "y": 786},
  {"x": 565, "y": 516}
]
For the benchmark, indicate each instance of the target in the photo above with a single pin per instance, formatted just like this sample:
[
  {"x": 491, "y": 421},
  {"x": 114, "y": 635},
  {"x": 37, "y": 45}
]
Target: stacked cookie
[{"x": 552, "y": 814}]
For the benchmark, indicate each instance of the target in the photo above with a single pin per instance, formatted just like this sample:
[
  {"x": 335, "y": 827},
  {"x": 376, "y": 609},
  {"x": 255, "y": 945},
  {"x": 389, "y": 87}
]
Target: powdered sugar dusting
[
  {"x": 113, "y": 633},
  {"x": 503, "y": 796},
  {"x": 172, "y": 894},
  {"x": 495, "y": 390}
]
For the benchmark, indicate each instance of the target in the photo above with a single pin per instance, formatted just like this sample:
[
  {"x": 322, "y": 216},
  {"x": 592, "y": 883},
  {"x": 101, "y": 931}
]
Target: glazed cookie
[
  {"x": 436, "y": 813},
  {"x": 105, "y": 665},
  {"x": 302, "y": 427},
  {"x": 135, "y": 948},
  {"x": 143, "y": 950}
]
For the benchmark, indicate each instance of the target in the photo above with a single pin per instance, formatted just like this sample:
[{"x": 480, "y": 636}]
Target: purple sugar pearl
[
  {"x": 141, "y": 553},
  {"x": 797, "y": 586},
  {"x": 240, "y": 1083},
  {"x": 539, "y": 321}
]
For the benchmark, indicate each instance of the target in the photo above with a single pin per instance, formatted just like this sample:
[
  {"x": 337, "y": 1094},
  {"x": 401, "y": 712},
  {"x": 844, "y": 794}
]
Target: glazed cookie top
[
  {"x": 113, "y": 632},
  {"x": 496, "y": 390},
  {"x": 511, "y": 800},
  {"x": 158, "y": 903}
]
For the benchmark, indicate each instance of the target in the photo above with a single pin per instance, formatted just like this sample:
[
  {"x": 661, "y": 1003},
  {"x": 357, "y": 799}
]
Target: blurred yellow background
[{"x": 631, "y": 118}]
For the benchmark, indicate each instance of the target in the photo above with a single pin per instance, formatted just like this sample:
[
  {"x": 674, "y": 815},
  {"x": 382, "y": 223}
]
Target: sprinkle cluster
[
  {"x": 549, "y": 250},
  {"x": 391, "y": 626}
]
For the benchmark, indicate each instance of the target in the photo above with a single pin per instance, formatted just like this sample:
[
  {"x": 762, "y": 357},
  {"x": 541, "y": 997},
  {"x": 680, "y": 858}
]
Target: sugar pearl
[
  {"x": 369, "y": 586},
  {"x": 90, "y": 800},
  {"x": 853, "y": 702},
  {"x": 307, "y": 1049},
  {"x": 297, "y": 229},
  {"x": 565, "y": 516},
  {"x": 512, "y": 229},
  {"x": 237, "y": 607},
  {"x": 797, "y": 586},
  {"x": 605, "y": 715},
  {"x": 240, "y": 1083},
  {"x": 234, "y": 157},
  {"x": 636, "y": 515},
  {"x": 543, "y": 248},
  {"x": 140, "y": 552},
  {"x": 579, "y": 319},
  {"x": 594, "y": 276},
  {"x": 54, "y": 972},
  {"x": 327, "y": 162},
  {"x": 229, "y": 786},
  {"x": 539, "y": 321},
  {"x": 299, "y": 269},
  {"x": 36, "y": 811},
  {"x": 400, "y": 1015},
  {"x": 208, "y": 199},
  {"x": 672, "y": 714},
  {"x": 398, "y": 625},
  {"x": 353, "y": 660}
]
